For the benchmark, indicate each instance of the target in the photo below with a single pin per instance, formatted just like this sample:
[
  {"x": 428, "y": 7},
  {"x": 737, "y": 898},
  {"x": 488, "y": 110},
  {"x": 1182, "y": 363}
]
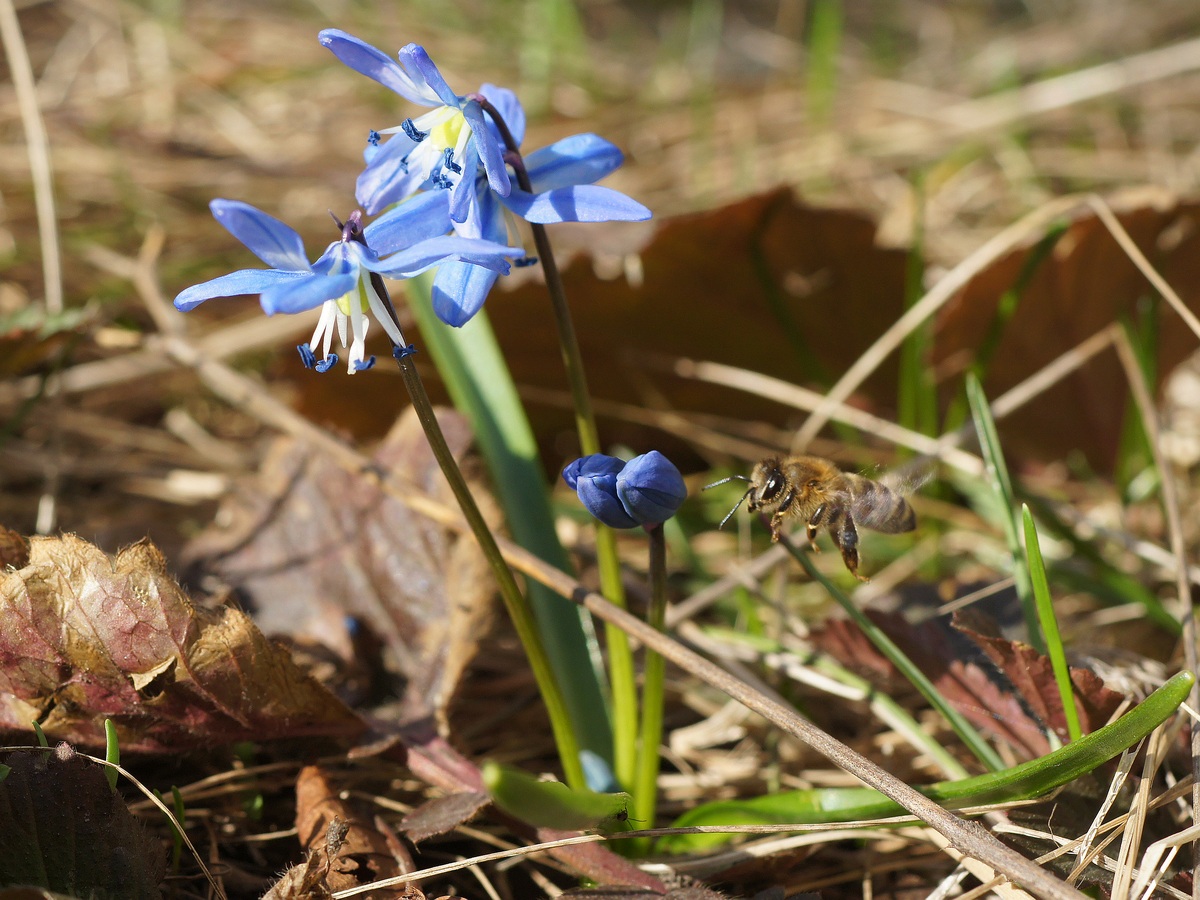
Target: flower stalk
[
  {"x": 622, "y": 683},
  {"x": 645, "y": 785},
  {"x": 514, "y": 601}
]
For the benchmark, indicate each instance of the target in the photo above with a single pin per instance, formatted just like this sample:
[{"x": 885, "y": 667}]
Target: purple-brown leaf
[{"x": 85, "y": 637}]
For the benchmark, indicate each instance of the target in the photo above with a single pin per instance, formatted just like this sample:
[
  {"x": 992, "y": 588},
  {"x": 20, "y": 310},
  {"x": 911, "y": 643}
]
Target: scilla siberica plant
[{"x": 448, "y": 188}]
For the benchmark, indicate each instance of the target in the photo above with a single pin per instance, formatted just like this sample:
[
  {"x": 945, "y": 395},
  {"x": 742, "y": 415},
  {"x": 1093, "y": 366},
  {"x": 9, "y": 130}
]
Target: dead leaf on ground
[
  {"x": 1086, "y": 283},
  {"x": 443, "y": 814},
  {"x": 361, "y": 854},
  {"x": 86, "y": 637},
  {"x": 1032, "y": 676},
  {"x": 1014, "y": 705},
  {"x": 63, "y": 828},
  {"x": 310, "y": 545}
]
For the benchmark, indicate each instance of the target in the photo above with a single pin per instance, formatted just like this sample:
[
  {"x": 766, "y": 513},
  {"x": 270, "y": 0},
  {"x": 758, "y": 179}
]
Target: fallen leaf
[
  {"x": 363, "y": 853},
  {"x": 311, "y": 547},
  {"x": 767, "y": 283},
  {"x": 1086, "y": 283},
  {"x": 86, "y": 637},
  {"x": 63, "y": 828},
  {"x": 1013, "y": 700},
  {"x": 1032, "y": 675},
  {"x": 443, "y": 814}
]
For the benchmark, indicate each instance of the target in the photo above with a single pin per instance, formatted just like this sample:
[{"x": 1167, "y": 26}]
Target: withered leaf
[
  {"x": 443, "y": 814},
  {"x": 1086, "y": 283},
  {"x": 1032, "y": 676},
  {"x": 310, "y": 544},
  {"x": 63, "y": 828},
  {"x": 86, "y": 637},
  {"x": 1013, "y": 709},
  {"x": 361, "y": 855}
]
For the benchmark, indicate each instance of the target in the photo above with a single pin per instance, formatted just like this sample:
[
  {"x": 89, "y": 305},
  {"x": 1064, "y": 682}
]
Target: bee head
[{"x": 767, "y": 483}]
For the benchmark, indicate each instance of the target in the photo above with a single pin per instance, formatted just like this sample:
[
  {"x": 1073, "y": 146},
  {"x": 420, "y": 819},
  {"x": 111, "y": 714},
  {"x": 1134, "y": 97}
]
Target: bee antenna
[
  {"x": 736, "y": 506},
  {"x": 725, "y": 481}
]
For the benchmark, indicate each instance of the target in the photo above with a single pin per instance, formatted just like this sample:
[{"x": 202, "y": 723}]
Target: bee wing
[{"x": 911, "y": 476}]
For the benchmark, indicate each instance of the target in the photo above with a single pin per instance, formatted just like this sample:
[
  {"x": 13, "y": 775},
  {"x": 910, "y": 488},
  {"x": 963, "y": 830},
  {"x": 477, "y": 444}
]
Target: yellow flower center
[{"x": 447, "y": 132}]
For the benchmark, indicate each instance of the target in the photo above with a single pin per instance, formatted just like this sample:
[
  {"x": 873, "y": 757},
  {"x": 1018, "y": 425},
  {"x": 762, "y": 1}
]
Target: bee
[{"x": 816, "y": 491}]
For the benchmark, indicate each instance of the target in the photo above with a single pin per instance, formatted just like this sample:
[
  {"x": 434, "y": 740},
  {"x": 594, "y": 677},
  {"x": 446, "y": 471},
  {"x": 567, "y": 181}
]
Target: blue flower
[
  {"x": 647, "y": 490},
  {"x": 339, "y": 281},
  {"x": 441, "y": 149},
  {"x": 561, "y": 176}
]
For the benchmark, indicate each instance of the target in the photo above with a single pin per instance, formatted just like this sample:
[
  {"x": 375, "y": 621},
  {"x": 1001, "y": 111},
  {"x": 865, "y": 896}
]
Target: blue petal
[
  {"x": 587, "y": 466},
  {"x": 578, "y": 159},
  {"x": 509, "y": 109},
  {"x": 272, "y": 241},
  {"x": 463, "y": 195},
  {"x": 366, "y": 60},
  {"x": 432, "y": 252},
  {"x": 598, "y": 494},
  {"x": 490, "y": 150},
  {"x": 650, "y": 488},
  {"x": 459, "y": 291},
  {"x": 246, "y": 281},
  {"x": 583, "y": 203},
  {"x": 386, "y": 180},
  {"x": 423, "y": 216},
  {"x": 306, "y": 293},
  {"x": 418, "y": 64}
]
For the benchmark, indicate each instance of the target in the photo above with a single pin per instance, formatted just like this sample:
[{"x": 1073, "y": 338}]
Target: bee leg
[
  {"x": 846, "y": 537},
  {"x": 814, "y": 522},
  {"x": 778, "y": 517}
]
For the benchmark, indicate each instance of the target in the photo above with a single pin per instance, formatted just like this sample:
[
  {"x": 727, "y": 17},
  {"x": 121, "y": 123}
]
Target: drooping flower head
[
  {"x": 647, "y": 490},
  {"x": 339, "y": 281},
  {"x": 442, "y": 148}
]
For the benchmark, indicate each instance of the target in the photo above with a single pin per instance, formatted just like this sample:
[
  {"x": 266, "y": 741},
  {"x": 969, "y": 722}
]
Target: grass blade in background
[
  {"x": 472, "y": 366},
  {"x": 1045, "y": 609},
  {"x": 993, "y": 456}
]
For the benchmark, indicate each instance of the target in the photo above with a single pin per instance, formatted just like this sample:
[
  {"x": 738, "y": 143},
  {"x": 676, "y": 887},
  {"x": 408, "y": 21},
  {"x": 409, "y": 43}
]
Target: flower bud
[
  {"x": 651, "y": 488},
  {"x": 647, "y": 490}
]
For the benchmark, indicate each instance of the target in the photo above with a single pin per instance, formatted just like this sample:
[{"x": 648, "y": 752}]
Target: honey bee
[{"x": 816, "y": 491}]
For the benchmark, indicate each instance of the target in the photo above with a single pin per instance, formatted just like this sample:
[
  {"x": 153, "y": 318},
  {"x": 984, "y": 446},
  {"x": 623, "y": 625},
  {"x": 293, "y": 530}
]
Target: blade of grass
[
  {"x": 965, "y": 731},
  {"x": 472, "y": 366},
  {"x": 993, "y": 457},
  {"x": 1045, "y": 609}
]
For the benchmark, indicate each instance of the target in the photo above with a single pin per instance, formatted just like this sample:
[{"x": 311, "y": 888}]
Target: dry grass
[{"x": 978, "y": 119}]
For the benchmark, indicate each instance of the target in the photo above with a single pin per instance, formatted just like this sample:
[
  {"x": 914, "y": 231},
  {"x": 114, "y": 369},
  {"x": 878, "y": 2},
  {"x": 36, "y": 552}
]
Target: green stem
[
  {"x": 518, "y": 608},
  {"x": 620, "y": 659},
  {"x": 969, "y": 736},
  {"x": 645, "y": 785}
]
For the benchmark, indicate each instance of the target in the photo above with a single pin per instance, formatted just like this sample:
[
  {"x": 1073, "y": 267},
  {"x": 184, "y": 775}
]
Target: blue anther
[
  {"x": 373, "y": 138},
  {"x": 361, "y": 365},
  {"x": 525, "y": 261},
  {"x": 403, "y": 352},
  {"x": 306, "y": 356},
  {"x": 327, "y": 363},
  {"x": 415, "y": 134},
  {"x": 449, "y": 163}
]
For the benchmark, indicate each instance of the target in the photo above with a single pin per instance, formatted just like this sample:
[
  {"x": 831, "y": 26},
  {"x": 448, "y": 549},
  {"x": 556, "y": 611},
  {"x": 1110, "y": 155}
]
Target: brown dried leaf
[
  {"x": 1085, "y": 284},
  {"x": 1032, "y": 676},
  {"x": 85, "y": 637},
  {"x": 361, "y": 855},
  {"x": 443, "y": 814},
  {"x": 1015, "y": 712},
  {"x": 63, "y": 828},
  {"x": 309, "y": 544},
  {"x": 14, "y": 550},
  {"x": 805, "y": 290}
]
